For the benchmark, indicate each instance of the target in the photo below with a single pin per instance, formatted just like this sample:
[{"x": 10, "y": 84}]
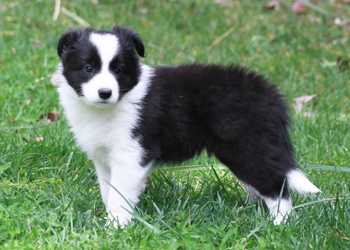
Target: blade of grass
[
  {"x": 221, "y": 167},
  {"x": 327, "y": 168},
  {"x": 316, "y": 8}
]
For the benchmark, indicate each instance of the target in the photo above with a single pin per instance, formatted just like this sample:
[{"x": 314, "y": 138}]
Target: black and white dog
[{"x": 127, "y": 116}]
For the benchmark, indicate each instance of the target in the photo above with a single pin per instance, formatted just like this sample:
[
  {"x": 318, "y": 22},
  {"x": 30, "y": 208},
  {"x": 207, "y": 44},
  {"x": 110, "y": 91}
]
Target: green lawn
[{"x": 49, "y": 195}]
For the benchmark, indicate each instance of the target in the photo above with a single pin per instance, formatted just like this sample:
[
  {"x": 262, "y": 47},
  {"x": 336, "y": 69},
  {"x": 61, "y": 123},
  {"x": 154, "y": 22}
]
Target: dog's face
[{"x": 101, "y": 66}]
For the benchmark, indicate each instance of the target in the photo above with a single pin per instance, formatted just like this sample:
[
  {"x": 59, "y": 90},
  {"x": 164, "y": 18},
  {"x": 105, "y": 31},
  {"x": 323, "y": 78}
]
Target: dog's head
[{"x": 101, "y": 66}]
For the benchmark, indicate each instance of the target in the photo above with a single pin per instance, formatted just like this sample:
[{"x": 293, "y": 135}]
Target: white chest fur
[
  {"x": 101, "y": 132},
  {"x": 104, "y": 131}
]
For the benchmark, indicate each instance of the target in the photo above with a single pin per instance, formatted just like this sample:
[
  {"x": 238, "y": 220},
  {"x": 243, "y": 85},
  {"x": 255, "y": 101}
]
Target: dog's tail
[
  {"x": 296, "y": 179},
  {"x": 298, "y": 182}
]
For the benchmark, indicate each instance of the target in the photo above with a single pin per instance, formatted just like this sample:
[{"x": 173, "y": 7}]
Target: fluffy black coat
[{"x": 235, "y": 114}]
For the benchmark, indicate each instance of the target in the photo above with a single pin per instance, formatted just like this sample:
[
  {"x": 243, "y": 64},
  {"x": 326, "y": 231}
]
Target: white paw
[
  {"x": 279, "y": 209},
  {"x": 117, "y": 221},
  {"x": 280, "y": 218}
]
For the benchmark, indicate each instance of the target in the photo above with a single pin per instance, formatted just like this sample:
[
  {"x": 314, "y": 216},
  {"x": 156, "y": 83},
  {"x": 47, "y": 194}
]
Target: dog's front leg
[
  {"x": 128, "y": 178},
  {"x": 104, "y": 178}
]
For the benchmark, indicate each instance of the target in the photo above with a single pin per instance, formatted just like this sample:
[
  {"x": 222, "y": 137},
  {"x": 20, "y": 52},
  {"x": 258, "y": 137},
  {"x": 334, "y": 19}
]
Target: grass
[{"x": 49, "y": 193}]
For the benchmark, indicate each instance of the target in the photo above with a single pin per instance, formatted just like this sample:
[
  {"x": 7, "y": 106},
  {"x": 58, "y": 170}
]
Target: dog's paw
[
  {"x": 116, "y": 222},
  {"x": 280, "y": 218}
]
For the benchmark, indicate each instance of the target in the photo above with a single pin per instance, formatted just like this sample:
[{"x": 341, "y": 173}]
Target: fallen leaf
[
  {"x": 339, "y": 233},
  {"x": 307, "y": 114},
  {"x": 299, "y": 7},
  {"x": 327, "y": 63},
  {"x": 98, "y": 213},
  {"x": 13, "y": 121},
  {"x": 273, "y": 5},
  {"x": 39, "y": 138},
  {"x": 221, "y": 1},
  {"x": 54, "y": 80},
  {"x": 51, "y": 116},
  {"x": 314, "y": 19},
  {"x": 10, "y": 33},
  {"x": 300, "y": 101},
  {"x": 342, "y": 64},
  {"x": 26, "y": 139},
  {"x": 340, "y": 41},
  {"x": 144, "y": 11},
  {"x": 37, "y": 45},
  {"x": 340, "y": 22}
]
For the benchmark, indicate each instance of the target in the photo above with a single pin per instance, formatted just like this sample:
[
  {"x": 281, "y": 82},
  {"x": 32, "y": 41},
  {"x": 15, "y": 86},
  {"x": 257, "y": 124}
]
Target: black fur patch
[{"x": 235, "y": 114}]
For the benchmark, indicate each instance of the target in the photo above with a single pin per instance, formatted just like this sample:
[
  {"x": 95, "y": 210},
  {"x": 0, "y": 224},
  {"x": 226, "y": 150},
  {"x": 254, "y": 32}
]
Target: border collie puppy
[{"x": 128, "y": 116}]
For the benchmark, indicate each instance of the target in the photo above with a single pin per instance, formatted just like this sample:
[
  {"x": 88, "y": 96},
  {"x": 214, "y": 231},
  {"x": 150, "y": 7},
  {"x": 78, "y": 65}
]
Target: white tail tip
[{"x": 298, "y": 182}]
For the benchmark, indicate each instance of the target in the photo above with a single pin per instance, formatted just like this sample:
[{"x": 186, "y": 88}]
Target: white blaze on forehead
[{"x": 107, "y": 46}]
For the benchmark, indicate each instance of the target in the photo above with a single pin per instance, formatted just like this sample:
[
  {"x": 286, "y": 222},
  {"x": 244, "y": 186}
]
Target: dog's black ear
[
  {"x": 67, "y": 40},
  {"x": 129, "y": 36},
  {"x": 138, "y": 45}
]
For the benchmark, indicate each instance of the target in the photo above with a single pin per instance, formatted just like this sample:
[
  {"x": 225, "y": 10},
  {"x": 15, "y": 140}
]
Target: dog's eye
[
  {"x": 118, "y": 71},
  {"x": 88, "y": 68}
]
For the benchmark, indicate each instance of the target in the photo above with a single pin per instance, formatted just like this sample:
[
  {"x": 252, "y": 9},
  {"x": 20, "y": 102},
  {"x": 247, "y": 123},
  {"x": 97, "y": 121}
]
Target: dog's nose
[{"x": 105, "y": 93}]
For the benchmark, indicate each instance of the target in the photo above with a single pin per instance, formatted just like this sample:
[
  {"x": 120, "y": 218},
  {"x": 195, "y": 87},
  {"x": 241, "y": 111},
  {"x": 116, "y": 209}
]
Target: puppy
[{"x": 127, "y": 116}]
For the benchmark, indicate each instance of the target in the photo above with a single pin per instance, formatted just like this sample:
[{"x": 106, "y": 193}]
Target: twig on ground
[
  {"x": 222, "y": 37},
  {"x": 74, "y": 16},
  {"x": 57, "y": 10}
]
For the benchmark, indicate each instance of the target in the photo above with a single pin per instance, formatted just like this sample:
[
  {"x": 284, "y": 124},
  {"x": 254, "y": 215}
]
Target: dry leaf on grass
[
  {"x": 37, "y": 45},
  {"x": 99, "y": 213},
  {"x": 307, "y": 114},
  {"x": 340, "y": 22},
  {"x": 221, "y": 1},
  {"x": 13, "y": 121},
  {"x": 299, "y": 7},
  {"x": 314, "y": 19},
  {"x": 339, "y": 233},
  {"x": 39, "y": 138},
  {"x": 273, "y": 5},
  {"x": 51, "y": 116},
  {"x": 340, "y": 41},
  {"x": 342, "y": 64},
  {"x": 300, "y": 101},
  {"x": 144, "y": 11},
  {"x": 54, "y": 80}
]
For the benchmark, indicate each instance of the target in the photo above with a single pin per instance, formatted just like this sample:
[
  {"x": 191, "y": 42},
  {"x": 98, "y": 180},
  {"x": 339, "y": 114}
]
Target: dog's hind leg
[
  {"x": 263, "y": 177},
  {"x": 279, "y": 208},
  {"x": 253, "y": 194},
  {"x": 297, "y": 181}
]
